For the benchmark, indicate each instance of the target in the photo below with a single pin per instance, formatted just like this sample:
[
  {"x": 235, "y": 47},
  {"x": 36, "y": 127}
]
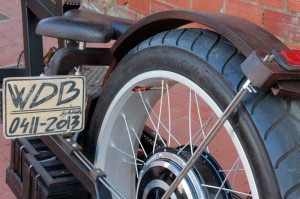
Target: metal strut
[
  {"x": 98, "y": 174},
  {"x": 247, "y": 87},
  {"x": 93, "y": 179}
]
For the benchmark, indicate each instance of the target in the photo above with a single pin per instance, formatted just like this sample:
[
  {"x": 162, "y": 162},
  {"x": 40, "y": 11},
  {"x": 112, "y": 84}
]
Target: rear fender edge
[{"x": 246, "y": 36}]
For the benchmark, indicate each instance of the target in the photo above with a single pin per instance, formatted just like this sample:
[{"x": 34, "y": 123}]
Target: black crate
[{"x": 34, "y": 172}]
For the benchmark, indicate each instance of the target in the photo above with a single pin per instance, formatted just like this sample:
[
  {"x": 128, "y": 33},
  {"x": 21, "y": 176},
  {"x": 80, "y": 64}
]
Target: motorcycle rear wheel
[{"x": 178, "y": 83}]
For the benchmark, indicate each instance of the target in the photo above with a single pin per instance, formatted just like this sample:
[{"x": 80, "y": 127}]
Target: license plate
[{"x": 34, "y": 106}]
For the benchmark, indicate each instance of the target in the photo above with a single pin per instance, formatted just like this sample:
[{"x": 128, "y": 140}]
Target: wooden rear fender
[{"x": 245, "y": 35}]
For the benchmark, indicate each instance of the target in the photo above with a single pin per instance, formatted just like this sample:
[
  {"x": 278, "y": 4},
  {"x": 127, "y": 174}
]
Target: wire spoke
[
  {"x": 162, "y": 124},
  {"x": 169, "y": 114},
  {"x": 159, "y": 114},
  {"x": 133, "y": 163},
  {"x": 225, "y": 189},
  {"x": 139, "y": 142},
  {"x": 190, "y": 122},
  {"x": 132, "y": 147},
  {"x": 202, "y": 128},
  {"x": 235, "y": 172},
  {"x": 228, "y": 174},
  {"x": 135, "y": 159},
  {"x": 199, "y": 117},
  {"x": 151, "y": 120},
  {"x": 227, "y": 170}
]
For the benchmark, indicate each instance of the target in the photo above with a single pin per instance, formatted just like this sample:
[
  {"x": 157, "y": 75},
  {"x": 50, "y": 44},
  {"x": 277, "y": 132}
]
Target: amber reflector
[{"x": 138, "y": 88}]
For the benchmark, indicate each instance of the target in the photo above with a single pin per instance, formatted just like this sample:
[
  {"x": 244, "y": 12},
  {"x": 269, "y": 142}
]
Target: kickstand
[{"x": 247, "y": 87}]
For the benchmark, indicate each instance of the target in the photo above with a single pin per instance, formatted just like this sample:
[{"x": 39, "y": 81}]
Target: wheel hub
[{"x": 161, "y": 169}]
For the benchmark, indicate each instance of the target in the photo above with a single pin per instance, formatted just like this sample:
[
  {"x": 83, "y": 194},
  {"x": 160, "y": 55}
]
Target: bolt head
[{"x": 74, "y": 145}]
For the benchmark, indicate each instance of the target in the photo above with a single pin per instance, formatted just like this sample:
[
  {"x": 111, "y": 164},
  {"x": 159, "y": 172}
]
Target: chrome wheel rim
[{"x": 119, "y": 137}]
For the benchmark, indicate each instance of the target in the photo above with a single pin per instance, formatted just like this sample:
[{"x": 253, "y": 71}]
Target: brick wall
[{"x": 280, "y": 17}]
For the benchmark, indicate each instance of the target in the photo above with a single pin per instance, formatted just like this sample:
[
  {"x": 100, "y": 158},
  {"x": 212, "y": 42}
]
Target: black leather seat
[{"x": 83, "y": 25}]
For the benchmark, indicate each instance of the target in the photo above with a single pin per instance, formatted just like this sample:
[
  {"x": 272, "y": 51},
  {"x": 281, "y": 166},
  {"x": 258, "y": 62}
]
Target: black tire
[{"x": 267, "y": 127}]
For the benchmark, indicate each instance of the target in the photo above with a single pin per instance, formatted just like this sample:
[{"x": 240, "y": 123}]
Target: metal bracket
[
  {"x": 97, "y": 173},
  {"x": 69, "y": 145},
  {"x": 74, "y": 165},
  {"x": 93, "y": 179}
]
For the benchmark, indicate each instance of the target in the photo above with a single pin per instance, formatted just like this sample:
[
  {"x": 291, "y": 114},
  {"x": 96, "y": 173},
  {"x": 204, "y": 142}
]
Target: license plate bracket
[{"x": 34, "y": 106}]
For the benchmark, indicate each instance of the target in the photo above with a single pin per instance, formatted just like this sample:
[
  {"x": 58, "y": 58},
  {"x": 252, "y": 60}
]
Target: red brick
[
  {"x": 4, "y": 57},
  {"x": 10, "y": 34},
  {"x": 194, "y": 25},
  {"x": 6, "y": 42},
  {"x": 13, "y": 13},
  {"x": 142, "y": 7},
  {"x": 122, "y": 2},
  {"x": 7, "y": 58},
  {"x": 124, "y": 12},
  {"x": 7, "y": 195},
  {"x": 8, "y": 63},
  {"x": 4, "y": 26},
  {"x": 16, "y": 26},
  {"x": 18, "y": 41},
  {"x": 211, "y": 6},
  {"x": 282, "y": 25},
  {"x": 13, "y": 50},
  {"x": 274, "y": 3},
  {"x": 183, "y": 4},
  {"x": 244, "y": 10},
  {"x": 294, "y": 5},
  {"x": 3, "y": 186},
  {"x": 10, "y": 3},
  {"x": 157, "y": 6},
  {"x": 2, "y": 157},
  {"x": 5, "y": 151},
  {"x": 3, "y": 141}
]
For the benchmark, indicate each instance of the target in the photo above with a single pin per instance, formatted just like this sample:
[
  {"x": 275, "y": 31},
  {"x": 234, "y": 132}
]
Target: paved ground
[
  {"x": 11, "y": 41},
  {"x": 11, "y": 44}
]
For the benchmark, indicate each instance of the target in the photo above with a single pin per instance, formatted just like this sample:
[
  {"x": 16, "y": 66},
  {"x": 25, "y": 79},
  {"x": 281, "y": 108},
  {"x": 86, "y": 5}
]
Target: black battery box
[{"x": 35, "y": 173}]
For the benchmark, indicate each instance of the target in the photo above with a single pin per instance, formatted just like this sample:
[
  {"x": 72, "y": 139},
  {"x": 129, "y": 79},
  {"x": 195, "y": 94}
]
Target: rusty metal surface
[
  {"x": 264, "y": 74},
  {"x": 245, "y": 35},
  {"x": 287, "y": 89}
]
